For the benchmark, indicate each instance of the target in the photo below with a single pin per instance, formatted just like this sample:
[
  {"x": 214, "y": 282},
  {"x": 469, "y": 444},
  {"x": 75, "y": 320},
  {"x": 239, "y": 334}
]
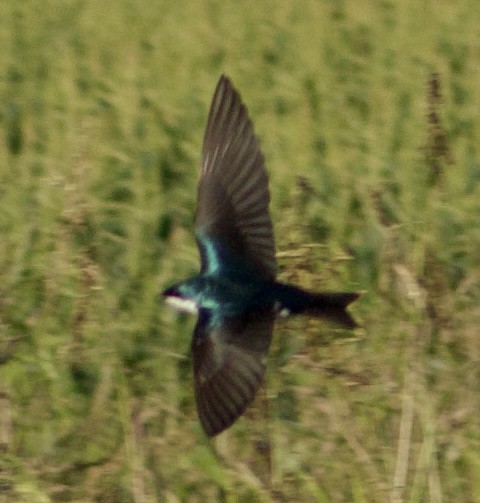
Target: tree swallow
[{"x": 235, "y": 294}]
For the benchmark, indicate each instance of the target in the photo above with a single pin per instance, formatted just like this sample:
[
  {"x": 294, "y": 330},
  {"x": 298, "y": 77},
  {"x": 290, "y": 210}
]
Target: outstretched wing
[
  {"x": 229, "y": 361},
  {"x": 232, "y": 217}
]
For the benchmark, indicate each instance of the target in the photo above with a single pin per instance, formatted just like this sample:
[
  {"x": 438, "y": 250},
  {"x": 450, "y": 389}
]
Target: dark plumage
[{"x": 235, "y": 294}]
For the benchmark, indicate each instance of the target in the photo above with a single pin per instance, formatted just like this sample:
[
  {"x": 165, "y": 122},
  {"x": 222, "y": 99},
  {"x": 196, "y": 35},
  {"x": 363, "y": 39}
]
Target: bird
[{"x": 236, "y": 296}]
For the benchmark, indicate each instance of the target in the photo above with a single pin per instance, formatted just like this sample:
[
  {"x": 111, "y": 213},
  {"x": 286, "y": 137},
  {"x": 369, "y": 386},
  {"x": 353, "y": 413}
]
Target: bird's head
[{"x": 176, "y": 297}]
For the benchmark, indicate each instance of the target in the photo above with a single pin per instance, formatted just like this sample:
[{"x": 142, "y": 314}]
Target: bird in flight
[{"x": 235, "y": 295}]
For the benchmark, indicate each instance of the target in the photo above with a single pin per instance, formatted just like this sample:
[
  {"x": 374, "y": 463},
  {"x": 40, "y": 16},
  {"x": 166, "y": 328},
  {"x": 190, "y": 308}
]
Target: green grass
[{"x": 102, "y": 110}]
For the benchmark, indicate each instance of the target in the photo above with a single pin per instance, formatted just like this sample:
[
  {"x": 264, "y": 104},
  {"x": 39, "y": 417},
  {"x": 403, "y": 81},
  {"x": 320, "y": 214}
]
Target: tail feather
[
  {"x": 332, "y": 306},
  {"x": 328, "y": 305}
]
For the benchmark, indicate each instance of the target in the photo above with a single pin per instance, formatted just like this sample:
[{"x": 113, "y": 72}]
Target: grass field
[{"x": 368, "y": 112}]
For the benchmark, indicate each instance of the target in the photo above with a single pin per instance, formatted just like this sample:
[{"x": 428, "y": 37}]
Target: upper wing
[
  {"x": 229, "y": 361},
  {"x": 232, "y": 203}
]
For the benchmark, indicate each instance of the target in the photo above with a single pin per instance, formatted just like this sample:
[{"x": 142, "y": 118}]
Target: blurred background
[{"x": 367, "y": 111}]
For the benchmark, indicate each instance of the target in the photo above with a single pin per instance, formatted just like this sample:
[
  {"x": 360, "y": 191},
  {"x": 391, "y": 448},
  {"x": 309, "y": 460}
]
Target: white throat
[{"x": 184, "y": 305}]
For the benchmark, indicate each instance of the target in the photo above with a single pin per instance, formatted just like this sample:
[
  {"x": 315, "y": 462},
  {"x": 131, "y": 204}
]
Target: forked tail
[{"x": 327, "y": 305}]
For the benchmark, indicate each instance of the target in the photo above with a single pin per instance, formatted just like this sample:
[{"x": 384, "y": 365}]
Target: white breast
[{"x": 184, "y": 305}]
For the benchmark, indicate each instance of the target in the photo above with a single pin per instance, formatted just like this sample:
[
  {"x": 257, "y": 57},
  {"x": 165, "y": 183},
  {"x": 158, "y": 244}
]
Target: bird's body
[{"x": 236, "y": 295}]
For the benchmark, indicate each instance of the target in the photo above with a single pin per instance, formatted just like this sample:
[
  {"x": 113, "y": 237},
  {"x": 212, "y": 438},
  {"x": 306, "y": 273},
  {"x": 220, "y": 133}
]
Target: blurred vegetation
[{"x": 368, "y": 115}]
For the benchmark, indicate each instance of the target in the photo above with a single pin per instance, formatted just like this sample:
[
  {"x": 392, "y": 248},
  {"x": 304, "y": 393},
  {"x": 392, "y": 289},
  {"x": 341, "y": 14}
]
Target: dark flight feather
[
  {"x": 229, "y": 362},
  {"x": 233, "y": 197}
]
